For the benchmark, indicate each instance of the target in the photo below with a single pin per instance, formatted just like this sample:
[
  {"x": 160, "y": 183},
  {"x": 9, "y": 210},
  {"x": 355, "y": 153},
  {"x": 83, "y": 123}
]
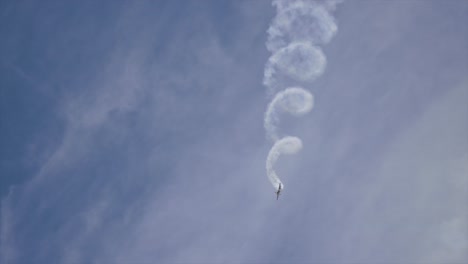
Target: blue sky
[{"x": 132, "y": 132}]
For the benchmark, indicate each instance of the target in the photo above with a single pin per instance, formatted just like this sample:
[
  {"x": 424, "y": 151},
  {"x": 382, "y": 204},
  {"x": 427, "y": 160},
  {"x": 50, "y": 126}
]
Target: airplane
[{"x": 278, "y": 191}]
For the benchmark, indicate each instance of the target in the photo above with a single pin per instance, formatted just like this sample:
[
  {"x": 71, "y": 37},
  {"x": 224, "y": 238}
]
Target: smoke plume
[{"x": 294, "y": 39}]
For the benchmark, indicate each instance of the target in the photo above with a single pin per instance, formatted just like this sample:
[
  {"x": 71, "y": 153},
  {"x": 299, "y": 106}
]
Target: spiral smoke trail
[
  {"x": 294, "y": 39},
  {"x": 293, "y": 100}
]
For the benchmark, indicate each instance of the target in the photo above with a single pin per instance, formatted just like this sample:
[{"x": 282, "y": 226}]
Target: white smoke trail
[
  {"x": 298, "y": 61},
  {"x": 300, "y": 21},
  {"x": 294, "y": 37},
  {"x": 294, "y": 100},
  {"x": 286, "y": 145}
]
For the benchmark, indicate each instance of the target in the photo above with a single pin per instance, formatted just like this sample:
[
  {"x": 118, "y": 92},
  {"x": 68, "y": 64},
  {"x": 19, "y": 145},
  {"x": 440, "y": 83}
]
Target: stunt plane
[{"x": 278, "y": 191}]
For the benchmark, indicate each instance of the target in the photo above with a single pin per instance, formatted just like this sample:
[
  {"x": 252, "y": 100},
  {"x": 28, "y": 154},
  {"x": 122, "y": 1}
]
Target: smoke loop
[
  {"x": 299, "y": 61},
  {"x": 287, "y": 145},
  {"x": 294, "y": 100},
  {"x": 302, "y": 21}
]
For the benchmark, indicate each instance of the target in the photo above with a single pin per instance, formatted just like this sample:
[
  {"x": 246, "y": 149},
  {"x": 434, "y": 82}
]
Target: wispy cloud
[{"x": 127, "y": 131}]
